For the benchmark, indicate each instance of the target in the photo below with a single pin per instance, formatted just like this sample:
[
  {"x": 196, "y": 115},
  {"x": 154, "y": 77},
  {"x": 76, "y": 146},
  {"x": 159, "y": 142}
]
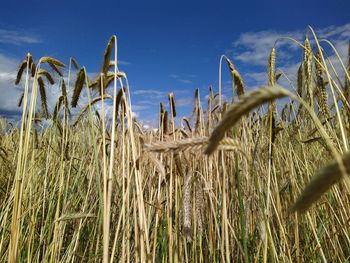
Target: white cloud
[
  {"x": 253, "y": 48},
  {"x": 9, "y": 93},
  {"x": 140, "y": 107},
  {"x": 260, "y": 77},
  {"x": 17, "y": 37},
  {"x": 135, "y": 114}
]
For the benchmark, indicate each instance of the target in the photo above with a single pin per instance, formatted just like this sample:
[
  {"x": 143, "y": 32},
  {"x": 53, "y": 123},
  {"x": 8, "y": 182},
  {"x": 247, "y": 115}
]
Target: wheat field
[{"x": 238, "y": 181}]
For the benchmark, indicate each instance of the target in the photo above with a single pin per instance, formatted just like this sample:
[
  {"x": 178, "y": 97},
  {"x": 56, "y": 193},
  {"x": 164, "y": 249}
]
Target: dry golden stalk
[
  {"x": 320, "y": 184},
  {"x": 79, "y": 83},
  {"x": 243, "y": 106},
  {"x": 237, "y": 79}
]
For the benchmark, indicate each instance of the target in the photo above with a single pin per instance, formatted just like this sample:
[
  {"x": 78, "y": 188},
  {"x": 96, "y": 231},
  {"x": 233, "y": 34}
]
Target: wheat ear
[
  {"x": 79, "y": 83},
  {"x": 243, "y": 106},
  {"x": 327, "y": 177},
  {"x": 237, "y": 79}
]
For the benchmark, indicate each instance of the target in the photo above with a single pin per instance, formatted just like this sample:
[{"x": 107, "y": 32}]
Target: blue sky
[{"x": 163, "y": 46}]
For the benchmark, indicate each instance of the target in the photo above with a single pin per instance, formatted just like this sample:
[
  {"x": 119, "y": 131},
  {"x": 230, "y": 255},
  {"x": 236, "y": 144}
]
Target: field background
[{"x": 219, "y": 185}]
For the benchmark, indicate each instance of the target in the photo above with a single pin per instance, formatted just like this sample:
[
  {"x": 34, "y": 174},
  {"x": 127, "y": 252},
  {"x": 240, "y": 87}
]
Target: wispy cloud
[
  {"x": 17, "y": 37},
  {"x": 338, "y": 31},
  {"x": 185, "y": 78},
  {"x": 123, "y": 62},
  {"x": 156, "y": 94},
  {"x": 181, "y": 102}
]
